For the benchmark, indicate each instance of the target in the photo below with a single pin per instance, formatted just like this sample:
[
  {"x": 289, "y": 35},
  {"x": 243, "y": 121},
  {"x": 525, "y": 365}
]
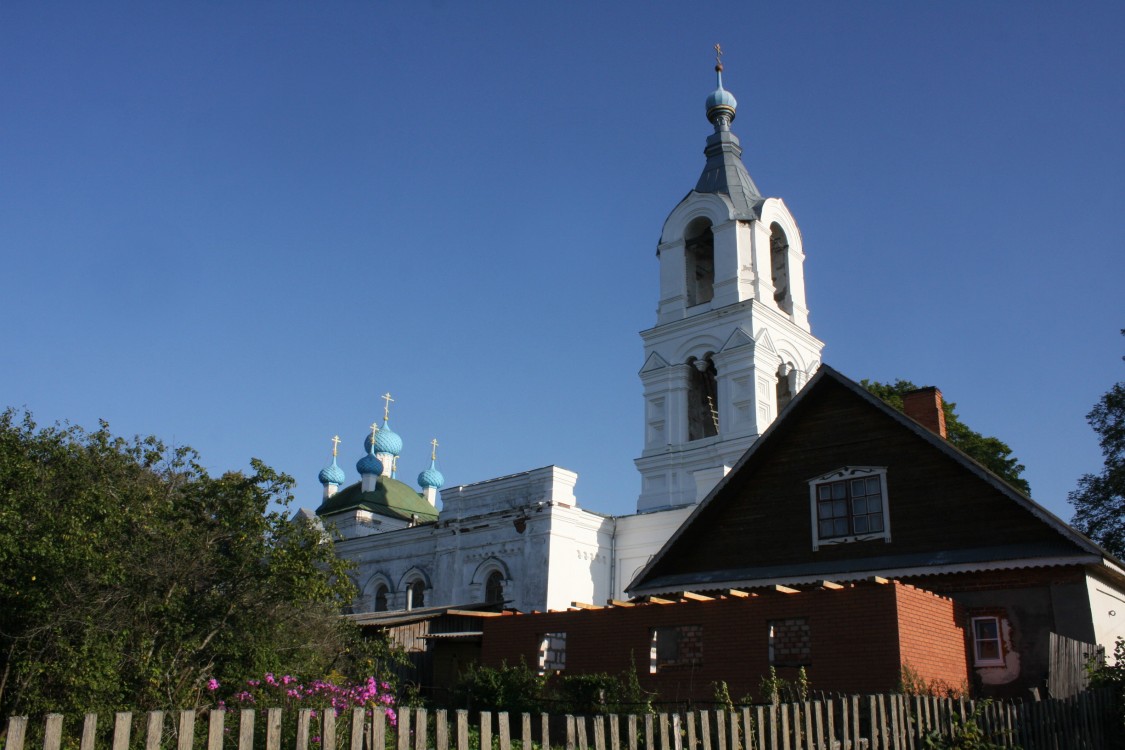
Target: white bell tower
[{"x": 732, "y": 344}]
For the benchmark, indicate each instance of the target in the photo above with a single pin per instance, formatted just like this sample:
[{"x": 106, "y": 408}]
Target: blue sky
[{"x": 235, "y": 225}]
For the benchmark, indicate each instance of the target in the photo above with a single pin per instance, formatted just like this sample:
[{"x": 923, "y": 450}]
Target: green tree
[
  {"x": 1099, "y": 500},
  {"x": 129, "y": 576},
  {"x": 992, "y": 452}
]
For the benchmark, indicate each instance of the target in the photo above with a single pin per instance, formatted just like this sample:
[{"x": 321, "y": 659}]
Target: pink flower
[{"x": 212, "y": 684}]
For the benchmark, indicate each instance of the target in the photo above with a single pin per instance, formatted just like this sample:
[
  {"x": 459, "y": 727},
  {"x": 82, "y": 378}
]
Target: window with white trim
[
  {"x": 850, "y": 505},
  {"x": 988, "y": 648}
]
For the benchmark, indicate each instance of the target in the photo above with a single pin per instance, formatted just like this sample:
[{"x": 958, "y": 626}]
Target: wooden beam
[
  {"x": 829, "y": 585},
  {"x": 784, "y": 589},
  {"x": 583, "y": 605},
  {"x": 878, "y": 579},
  {"x": 736, "y": 593},
  {"x": 618, "y": 603},
  {"x": 696, "y": 597},
  {"x": 658, "y": 600}
]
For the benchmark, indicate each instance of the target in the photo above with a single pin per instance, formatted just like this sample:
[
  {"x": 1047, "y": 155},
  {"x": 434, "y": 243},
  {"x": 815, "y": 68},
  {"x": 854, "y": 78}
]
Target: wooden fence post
[
  {"x": 17, "y": 732},
  {"x": 185, "y": 735},
  {"x": 441, "y": 730},
  {"x": 245, "y": 730},
  {"x": 378, "y": 729},
  {"x": 123, "y": 728},
  {"x": 544, "y": 731},
  {"x": 462, "y": 730},
  {"x": 421, "y": 729},
  {"x": 327, "y": 730},
  {"x": 273, "y": 730},
  {"x": 485, "y": 730},
  {"x": 504, "y": 730}
]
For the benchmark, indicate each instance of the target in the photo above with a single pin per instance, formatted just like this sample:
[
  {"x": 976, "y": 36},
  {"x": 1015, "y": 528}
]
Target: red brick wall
[
  {"x": 857, "y": 639},
  {"x": 932, "y": 638}
]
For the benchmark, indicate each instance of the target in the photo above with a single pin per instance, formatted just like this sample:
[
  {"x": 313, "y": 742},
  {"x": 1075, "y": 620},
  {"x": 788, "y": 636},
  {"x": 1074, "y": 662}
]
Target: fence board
[
  {"x": 485, "y": 730},
  {"x": 462, "y": 730},
  {"x": 422, "y": 727},
  {"x": 632, "y": 725},
  {"x": 273, "y": 730},
  {"x": 90, "y": 730},
  {"x": 525, "y": 731},
  {"x": 246, "y": 730},
  {"x": 614, "y": 733},
  {"x": 677, "y": 738},
  {"x": 664, "y": 743},
  {"x": 580, "y": 726},
  {"x": 327, "y": 731},
  {"x": 545, "y": 731},
  {"x": 123, "y": 728},
  {"x": 504, "y": 729},
  {"x": 17, "y": 731},
  {"x": 52, "y": 732},
  {"x": 599, "y": 733},
  {"x": 441, "y": 729},
  {"x": 378, "y": 729}
]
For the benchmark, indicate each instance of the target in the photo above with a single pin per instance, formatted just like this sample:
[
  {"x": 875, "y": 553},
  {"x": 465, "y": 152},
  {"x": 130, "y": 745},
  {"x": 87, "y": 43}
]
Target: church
[{"x": 731, "y": 346}]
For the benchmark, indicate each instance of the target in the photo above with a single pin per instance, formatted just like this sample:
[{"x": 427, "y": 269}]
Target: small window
[
  {"x": 552, "y": 652},
  {"x": 416, "y": 595},
  {"x": 381, "y": 598},
  {"x": 850, "y": 505},
  {"x": 675, "y": 648},
  {"x": 494, "y": 588},
  {"x": 988, "y": 648},
  {"x": 790, "y": 642}
]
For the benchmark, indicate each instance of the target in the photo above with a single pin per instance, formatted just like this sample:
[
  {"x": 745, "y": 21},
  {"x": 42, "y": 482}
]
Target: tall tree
[
  {"x": 992, "y": 452},
  {"x": 1099, "y": 500},
  {"x": 129, "y": 576}
]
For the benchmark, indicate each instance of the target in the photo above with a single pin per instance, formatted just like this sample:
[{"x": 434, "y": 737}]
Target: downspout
[{"x": 613, "y": 559}]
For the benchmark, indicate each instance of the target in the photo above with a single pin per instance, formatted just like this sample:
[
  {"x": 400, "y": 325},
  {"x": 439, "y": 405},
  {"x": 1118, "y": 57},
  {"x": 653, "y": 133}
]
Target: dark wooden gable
[{"x": 943, "y": 508}]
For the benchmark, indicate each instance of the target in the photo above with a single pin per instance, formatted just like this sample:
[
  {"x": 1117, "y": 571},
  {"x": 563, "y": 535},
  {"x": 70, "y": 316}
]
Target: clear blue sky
[{"x": 234, "y": 225}]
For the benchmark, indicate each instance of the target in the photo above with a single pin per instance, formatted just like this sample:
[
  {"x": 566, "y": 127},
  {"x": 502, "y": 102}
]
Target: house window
[
  {"x": 675, "y": 648},
  {"x": 850, "y": 505},
  {"x": 381, "y": 598},
  {"x": 552, "y": 652},
  {"x": 790, "y": 643},
  {"x": 987, "y": 648}
]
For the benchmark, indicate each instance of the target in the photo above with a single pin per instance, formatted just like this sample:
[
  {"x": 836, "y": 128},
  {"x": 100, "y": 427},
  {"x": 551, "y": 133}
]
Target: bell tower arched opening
[
  {"x": 699, "y": 256},
  {"x": 703, "y": 399},
  {"x": 786, "y": 385},
  {"x": 779, "y": 268}
]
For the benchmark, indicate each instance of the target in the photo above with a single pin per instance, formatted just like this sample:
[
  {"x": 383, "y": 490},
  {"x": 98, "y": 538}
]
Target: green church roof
[{"x": 390, "y": 498}]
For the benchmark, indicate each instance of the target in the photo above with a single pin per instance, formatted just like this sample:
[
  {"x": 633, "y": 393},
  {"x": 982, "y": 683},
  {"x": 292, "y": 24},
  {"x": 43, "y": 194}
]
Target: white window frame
[
  {"x": 841, "y": 474},
  {"x": 980, "y": 661}
]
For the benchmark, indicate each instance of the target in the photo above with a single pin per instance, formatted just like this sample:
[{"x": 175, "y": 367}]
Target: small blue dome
[
  {"x": 369, "y": 465},
  {"x": 387, "y": 440},
  {"x": 431, "y": 477},
  {"x": 331, "y": 474},
  {"x": 720, "y": 99}
]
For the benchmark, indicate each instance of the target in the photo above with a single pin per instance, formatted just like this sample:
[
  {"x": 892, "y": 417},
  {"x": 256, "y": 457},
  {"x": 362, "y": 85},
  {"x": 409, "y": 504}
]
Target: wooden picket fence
[{"x": 877, "y": 722}]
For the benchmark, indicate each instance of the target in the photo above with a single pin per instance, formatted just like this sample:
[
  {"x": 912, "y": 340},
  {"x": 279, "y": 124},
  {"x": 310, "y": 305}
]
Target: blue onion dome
[
  {"x": 369, "y": 465},
  {"x": 387, "y": 440},
  {"x": 431, "y": 477},
  {"x": 721, "y": 101},
  {"x": 331, "y": 474}
]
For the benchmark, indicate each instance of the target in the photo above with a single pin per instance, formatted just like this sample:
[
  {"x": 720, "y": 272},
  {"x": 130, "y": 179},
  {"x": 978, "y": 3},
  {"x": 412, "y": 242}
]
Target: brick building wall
[{"x": 851, "y": 639}]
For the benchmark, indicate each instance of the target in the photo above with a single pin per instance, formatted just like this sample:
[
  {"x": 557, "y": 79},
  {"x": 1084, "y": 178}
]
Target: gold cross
[
  {"x": 335, "y": 444},
  {"x": 433, "y": 453},
  {"x": 718, "y": 55},
  {"x": 374, "y": 429},
  {"x": 387, "y": 406}
]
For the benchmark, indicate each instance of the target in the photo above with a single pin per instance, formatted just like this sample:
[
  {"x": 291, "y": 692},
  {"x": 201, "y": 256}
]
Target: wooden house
[{"x": 843, "y": 487}]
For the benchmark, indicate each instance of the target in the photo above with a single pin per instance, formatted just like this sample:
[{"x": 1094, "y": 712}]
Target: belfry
[{"x": 732, "y": 344}]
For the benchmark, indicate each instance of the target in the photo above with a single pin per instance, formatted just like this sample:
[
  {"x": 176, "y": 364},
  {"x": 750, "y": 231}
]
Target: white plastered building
[{"x": 730, "y": 347}]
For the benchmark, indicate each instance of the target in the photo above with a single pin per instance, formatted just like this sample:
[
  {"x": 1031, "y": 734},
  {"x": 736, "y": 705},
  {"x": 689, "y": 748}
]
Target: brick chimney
[{"x": 924, "y": 406}]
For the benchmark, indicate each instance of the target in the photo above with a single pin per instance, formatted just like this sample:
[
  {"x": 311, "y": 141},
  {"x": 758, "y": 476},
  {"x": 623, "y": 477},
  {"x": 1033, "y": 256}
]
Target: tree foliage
[
  {"x": 992, "y": 452},
  {"x": 129, "y": 576},
  {"x": 1099, "y": 500}
]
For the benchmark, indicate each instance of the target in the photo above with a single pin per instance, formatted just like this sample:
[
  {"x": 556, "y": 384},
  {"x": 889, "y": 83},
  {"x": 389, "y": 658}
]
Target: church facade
[{"x": 731, "y": 346}]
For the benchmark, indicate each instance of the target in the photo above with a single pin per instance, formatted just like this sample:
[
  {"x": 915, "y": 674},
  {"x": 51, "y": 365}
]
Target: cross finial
[
  {"x": 433, "y": 452},
  {"x": 335, "y": 444},
  {"x": 374, "y": 429},
  {"x": 718, "y": 57},
  {"x": 387, "y": 405}
]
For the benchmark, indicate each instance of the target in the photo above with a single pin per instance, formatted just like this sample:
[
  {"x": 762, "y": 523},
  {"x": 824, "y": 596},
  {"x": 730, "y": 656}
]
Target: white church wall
[{"x": 638, "y": 538}]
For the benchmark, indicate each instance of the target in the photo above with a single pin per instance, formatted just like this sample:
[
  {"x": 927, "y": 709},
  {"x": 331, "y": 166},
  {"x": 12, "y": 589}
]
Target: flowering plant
[{"x": 288, "y": 692}]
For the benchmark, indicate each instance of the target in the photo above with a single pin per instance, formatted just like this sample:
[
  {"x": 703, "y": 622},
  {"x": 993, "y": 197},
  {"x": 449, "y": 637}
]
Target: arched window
[
  {"x": 416, "y": 595},
  {"x": 699, "y": 253},
  {"x": 494, "y": 588},
  {"x": 785, "y": 385},
  {"x": 779, "y": 267},
  {"x": 703, "y": 399},
  {"x": 381, "y": 598}
]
